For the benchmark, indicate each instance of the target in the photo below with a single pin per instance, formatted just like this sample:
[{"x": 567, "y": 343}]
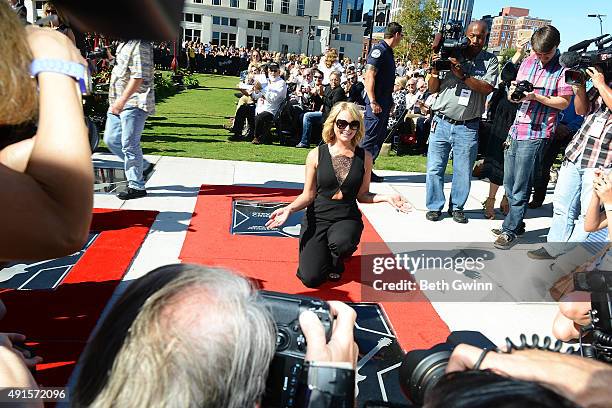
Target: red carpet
[
  {"x": 58, "y": 322},
  {"x": 272, "y": 261}
]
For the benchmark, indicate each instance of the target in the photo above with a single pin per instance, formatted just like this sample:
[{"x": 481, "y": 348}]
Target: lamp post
[
  {"x": 599, "y": 17},
  {"x": 309, "y": 34}
]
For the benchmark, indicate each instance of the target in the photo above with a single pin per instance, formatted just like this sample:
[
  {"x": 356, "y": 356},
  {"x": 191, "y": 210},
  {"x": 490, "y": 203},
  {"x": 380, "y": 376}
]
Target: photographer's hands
[
  {"x": 341, "y": 347},
  {"x": 584, "y": 381},
  {"x": 14, "y": 365},
  {"x": 602, "y": 186}
]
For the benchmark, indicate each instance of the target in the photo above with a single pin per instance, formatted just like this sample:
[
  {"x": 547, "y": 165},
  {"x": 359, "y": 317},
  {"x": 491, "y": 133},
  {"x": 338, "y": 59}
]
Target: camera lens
[{"x": 421, "y": 370}]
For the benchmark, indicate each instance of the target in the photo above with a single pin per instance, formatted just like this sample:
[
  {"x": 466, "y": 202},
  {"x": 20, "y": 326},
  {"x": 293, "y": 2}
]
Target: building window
[
  {"x": 252, "y": 5},
  {"x": 223, "y": 39},
  {"x": 257, "y": 42},
  {"x": 216, "y": 2},
  {"x": 258, "y": 25},
  {"x": 197, "y": 1},
  {"x": 284, "y": 6},
  {"x": 225, "y": 21},
  {"x": 300, "y": 8},
  {"x": 235, "y": 3},
  {"x": 191, "y": 35},
  {"x": 318, "y": 32},
  {"x": 269, "y": 5},
  {"x": 197, "y": 18}
]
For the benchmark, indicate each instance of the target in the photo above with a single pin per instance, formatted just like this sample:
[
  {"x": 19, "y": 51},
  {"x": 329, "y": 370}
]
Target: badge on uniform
[{"x": 376, "y": 53}]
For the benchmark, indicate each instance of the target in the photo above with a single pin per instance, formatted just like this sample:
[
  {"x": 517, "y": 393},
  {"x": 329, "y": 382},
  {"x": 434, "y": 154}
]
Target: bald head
[{"x": 476, "y": 32}]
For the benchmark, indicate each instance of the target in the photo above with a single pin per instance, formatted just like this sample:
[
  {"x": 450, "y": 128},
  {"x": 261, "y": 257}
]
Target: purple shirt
[{"x": 539, "y": 120}]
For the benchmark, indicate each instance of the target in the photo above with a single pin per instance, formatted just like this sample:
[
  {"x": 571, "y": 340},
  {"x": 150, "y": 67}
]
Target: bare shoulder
[{"x": 313, "y": 157}]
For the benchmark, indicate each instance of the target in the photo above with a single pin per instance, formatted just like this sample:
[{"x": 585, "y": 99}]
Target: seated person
[
  {"x": 354, "y": 89},
  {"x": 268, "y": 96},
  {"x": 190, "y": 336},
  {"x": 411, "y": 94},
  {"x": 333, "y": 94},
  {"x": 337, "y": 176},
  {"x": 423, "y": 123},
  {"x": 399, "y": 102}
]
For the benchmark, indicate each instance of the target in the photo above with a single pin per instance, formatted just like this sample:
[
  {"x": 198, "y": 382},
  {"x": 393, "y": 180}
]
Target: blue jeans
[
  {"x": 570, "y": 203},
  {"x": 309, "y": 118},
  {"x": 520, "y": 161},
  {"x": 122, "y": 136},
  {"x": 463, "y": 140}
]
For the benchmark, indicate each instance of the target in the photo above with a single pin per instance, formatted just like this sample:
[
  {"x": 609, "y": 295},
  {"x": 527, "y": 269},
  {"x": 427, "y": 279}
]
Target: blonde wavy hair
[
  {"x": 329, "y": 135},
  {"x": 331, "y": 56},
  {"x": 18, "y": 96}
]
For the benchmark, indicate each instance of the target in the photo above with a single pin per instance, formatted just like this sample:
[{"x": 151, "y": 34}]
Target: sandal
[
  {"x": 488, "y": 206},
  {"x": 334, "y": 277},
  {"x": 504, "y": 206}
]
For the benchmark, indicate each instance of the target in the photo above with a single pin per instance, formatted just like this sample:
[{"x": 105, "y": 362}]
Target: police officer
[{"x": 379, "y": 79}]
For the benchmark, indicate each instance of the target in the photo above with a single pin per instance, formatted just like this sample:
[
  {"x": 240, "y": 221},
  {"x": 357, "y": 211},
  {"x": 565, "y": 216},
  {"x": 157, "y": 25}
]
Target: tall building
[
  {"x": 460, "y": 10},
  {"x": 506, "y": 25},
  {"x": 349, "y": 11}
]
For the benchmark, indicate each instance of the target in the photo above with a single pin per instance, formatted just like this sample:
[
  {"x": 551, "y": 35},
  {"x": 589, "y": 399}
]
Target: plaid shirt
[
  {"x": 593, "y": 151},
  {"x": 540, "y": 120},
  {"x": 134, "y": 59}
]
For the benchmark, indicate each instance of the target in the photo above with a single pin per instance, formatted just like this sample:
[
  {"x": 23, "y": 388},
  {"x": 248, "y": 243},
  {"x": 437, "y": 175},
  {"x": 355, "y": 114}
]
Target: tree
[
  {"x": 506, "y": 55},
  {"x": 419, "y": 19}
]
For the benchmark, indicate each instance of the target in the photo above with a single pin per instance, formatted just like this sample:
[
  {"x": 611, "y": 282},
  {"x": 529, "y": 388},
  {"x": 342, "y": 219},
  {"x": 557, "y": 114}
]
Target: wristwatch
[
  {"x": 465, "y": 76},
  {"x": 72, "y": 69}
]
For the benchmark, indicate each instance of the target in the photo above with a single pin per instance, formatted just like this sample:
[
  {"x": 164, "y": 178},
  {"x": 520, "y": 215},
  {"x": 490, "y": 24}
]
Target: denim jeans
[
  {"x": 570, "y": 203},
  {"x": 520, "y": 161},
  {"x": 463, "y": 140},
  {"x": 122, "y": 136},
  {"x": 309, "y": 118}
]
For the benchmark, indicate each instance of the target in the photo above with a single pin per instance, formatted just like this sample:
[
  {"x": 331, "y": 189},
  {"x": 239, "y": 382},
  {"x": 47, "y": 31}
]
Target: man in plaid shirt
[
  {"x": 588, "y": 150},
  {"x": 533, "y": 126}
]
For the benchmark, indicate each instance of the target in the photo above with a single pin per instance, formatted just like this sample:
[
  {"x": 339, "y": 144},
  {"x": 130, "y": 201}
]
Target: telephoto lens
[{"x": 422, "y": 369}]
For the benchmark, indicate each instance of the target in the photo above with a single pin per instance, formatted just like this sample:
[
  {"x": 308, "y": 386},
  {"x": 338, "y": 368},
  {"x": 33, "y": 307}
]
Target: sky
[{"x": 568, "y": 16}]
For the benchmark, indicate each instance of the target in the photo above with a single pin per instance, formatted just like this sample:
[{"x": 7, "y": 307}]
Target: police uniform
[{"x": 381, "y": 58}]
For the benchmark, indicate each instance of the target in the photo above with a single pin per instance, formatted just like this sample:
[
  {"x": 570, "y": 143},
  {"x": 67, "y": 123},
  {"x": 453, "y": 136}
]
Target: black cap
[{"x": 273, "y": 66}]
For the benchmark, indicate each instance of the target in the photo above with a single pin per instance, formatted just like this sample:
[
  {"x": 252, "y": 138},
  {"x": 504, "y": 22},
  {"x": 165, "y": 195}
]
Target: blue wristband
[{"x": 72, "y": 69}]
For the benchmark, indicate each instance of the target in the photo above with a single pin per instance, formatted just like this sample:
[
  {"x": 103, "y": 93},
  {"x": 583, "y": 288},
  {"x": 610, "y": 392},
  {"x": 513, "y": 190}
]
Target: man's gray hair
[{"x": 200, "y": 339}]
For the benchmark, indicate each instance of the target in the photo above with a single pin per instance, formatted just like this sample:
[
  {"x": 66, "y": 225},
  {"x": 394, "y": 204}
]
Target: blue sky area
[{"x": 569, "y": 16}]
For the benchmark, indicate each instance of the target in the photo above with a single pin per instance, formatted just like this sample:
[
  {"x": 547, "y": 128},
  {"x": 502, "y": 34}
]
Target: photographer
[
  {"x": 190, "y": 336},
  {"x": 533, "y": 126},
  {"x": 457, "y": 110},
  {"x": 47, "y": 180},
  {"x": 584, "y": 381},
  {"x": 588, "y": 150}
]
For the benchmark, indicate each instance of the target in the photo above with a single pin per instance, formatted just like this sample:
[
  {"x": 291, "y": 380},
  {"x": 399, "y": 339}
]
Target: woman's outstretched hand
[
  {"x": 278, "y": 217},
  {"x": 399, "y": 203}
]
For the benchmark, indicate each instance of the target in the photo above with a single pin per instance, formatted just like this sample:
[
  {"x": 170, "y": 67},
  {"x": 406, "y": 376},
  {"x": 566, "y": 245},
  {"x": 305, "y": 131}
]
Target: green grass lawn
[{"x": 190, "y": 124}]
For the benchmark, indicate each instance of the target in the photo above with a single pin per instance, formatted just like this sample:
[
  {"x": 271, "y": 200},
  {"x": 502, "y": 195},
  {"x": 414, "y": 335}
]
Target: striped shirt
[
  {"x": 134, "y": 59},
  {"x": 592, "y": 150},
  {"x": 538, "y": 121}
]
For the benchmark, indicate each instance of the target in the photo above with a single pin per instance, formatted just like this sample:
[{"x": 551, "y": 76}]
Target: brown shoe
[{"x": 256, "y": 141}]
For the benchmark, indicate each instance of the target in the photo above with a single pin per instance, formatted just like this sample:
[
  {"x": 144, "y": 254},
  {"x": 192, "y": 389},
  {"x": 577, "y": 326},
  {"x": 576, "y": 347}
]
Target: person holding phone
[{"x": 337, "y": 177}]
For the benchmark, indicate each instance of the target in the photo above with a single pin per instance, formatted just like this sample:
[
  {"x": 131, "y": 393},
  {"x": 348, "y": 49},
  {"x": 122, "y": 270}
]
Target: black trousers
[
  {"x": 323, "y": 248},
  {"x": 245, "y": 112},
  {"x": 263, "y": 123}
]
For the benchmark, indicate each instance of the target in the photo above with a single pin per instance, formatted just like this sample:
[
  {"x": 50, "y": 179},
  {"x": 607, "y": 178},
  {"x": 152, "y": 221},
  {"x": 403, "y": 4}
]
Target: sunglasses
[{"x": 342, "y": 124}]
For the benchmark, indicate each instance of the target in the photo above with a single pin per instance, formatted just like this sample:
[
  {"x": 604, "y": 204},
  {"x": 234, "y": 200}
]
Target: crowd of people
[{"x": 186, "y": 335}]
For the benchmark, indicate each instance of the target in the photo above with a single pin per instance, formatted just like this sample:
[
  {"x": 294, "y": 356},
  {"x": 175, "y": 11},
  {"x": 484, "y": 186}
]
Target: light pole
[
  {"x": 598, "y": 16},
  {"x": 309, "y": 34}
]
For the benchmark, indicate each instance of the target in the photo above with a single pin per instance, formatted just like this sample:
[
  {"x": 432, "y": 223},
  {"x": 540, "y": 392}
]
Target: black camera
[
  {"x": 288, "y": 362},
  {"x": 449, "y": 43},
  {"x": 577, "y": 59},
  {"x": 599, "y": 283},
  {"x": 521, "y": 88},
  {"x": 422, "y": 369}
]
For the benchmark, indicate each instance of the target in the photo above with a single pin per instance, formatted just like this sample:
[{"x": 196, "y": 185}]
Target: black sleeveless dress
[{"x": 331, "y": 228}]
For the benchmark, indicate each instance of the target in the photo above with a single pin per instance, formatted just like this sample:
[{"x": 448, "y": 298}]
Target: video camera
[
  {"x": 288, "y": 363},
  {"x": 577, "y": 59},
  {"x": 449, "y": 43}
]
